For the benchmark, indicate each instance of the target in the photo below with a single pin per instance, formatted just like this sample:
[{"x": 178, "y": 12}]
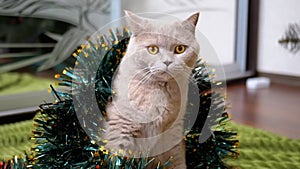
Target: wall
[{"x": 275, "y": 16}]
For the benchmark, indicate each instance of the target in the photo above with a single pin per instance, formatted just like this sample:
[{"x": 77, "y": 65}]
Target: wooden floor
[{"x": 275, "y": 109}]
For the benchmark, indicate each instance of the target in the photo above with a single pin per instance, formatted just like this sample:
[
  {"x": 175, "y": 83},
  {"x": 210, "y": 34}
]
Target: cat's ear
[
  {"x": 191, "y": 22},
  {"x": 135, "y": 22}
]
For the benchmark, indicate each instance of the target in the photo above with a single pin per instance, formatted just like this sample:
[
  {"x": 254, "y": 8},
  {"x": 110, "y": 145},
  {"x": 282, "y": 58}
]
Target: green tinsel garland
[{"x": 62, "y": 142}]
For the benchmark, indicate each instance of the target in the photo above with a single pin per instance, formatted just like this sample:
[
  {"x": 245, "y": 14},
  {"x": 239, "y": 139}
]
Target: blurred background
[{"x": 256, "y": 41}]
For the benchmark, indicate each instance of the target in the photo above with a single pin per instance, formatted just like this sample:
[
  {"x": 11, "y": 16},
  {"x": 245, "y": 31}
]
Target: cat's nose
[{"x": 167, "y": 63}]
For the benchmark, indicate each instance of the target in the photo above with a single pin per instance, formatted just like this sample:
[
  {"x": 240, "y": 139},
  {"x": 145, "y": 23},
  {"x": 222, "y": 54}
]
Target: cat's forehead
[
  {"x": 160, "y": 32},
  {"x": 167, "y": 28},
  {"x": 161, "y": 39}
]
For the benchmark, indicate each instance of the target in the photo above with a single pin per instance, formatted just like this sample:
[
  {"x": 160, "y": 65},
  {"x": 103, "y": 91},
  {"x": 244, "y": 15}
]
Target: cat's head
[{"x": 162, "y": 48}]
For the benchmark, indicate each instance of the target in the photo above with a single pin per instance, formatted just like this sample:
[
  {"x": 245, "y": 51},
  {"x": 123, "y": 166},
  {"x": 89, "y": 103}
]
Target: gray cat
[{"x": 146, "y": 115}]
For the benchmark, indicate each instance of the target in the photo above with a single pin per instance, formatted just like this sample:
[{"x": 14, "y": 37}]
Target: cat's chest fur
[
  {"x": 156, "y": 102},
  {"x": 145, "y": 111},
  {"x": 153, "y": 105}
]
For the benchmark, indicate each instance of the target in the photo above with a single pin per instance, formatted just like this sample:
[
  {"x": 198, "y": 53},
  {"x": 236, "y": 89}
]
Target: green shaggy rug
[
  {"x": 15, "y": 83},
  {"x": 258, "y": 149}
]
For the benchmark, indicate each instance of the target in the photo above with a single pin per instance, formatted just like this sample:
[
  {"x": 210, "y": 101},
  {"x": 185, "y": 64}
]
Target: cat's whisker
[
  {"x": 155, "y": 69},
  {"x": 144, "y": 79},
  {"x": 185, "y": 71}
]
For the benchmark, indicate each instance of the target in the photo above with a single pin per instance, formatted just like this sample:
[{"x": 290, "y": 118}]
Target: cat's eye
[
  {"x": 180, "y": 49},
  {"x": 153, "y": 49}
]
